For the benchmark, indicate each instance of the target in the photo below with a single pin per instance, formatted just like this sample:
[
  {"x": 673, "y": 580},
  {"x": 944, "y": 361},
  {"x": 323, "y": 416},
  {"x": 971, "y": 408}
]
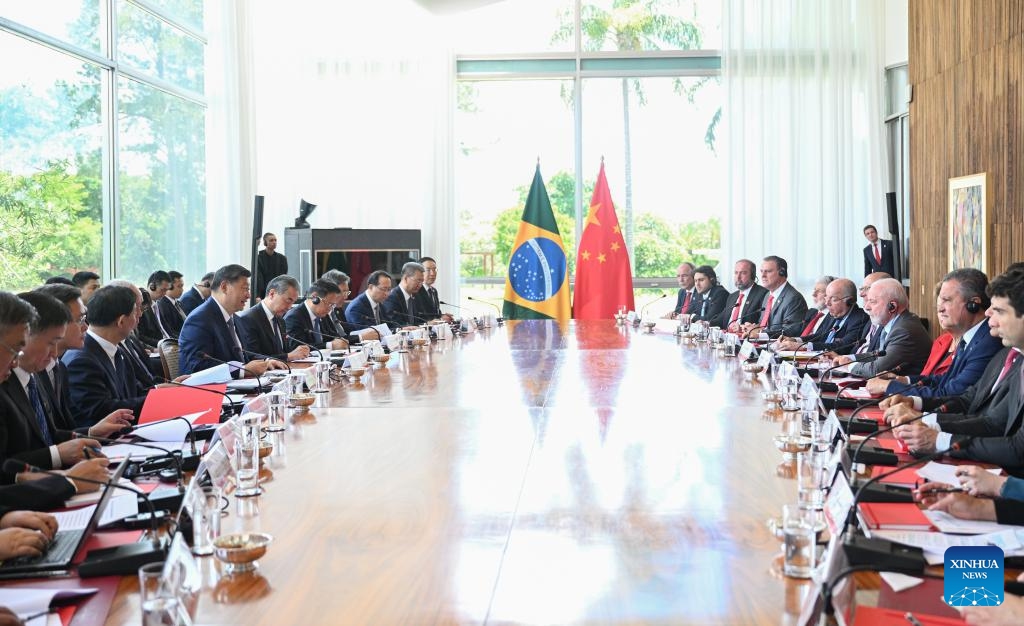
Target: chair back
[{"x": 168, "y": 349}]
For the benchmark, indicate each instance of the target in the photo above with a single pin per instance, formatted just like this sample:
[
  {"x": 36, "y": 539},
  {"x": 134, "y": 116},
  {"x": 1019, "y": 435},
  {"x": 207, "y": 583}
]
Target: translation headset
[
  {"x": 850, "y": 301},
  {"x": 974, "y": 306},
  {"x": 783, "y": 271},
  {"x": 891, "y": 307},
  {"x": 315, "y": 299},
  {"x": 152, "y": 286}
]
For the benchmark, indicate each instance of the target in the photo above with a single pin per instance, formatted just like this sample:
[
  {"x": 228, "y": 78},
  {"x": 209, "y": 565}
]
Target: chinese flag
[{"x": 603, "y": 280}]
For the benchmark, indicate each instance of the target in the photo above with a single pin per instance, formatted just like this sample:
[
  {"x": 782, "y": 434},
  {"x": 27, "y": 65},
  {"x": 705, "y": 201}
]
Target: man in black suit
[
  {"x": 744, "y": 304},
  {"x": 400, "y": 305},
  {"x": 710, "y": 298},
  {"x": 365, "y": 310},
  {"x": 353, "y": 332},
  {"x": 151, "y": 327},
  {"x": 197, "y": 294},
  {"x": 815, "y": 316},
  {"x": 783, "y": 305},
  {"x": 428, "y": 302},
  {"x": 269, "y": 263},
  {"x": 54, "y": 380},
  {"x": 878, "y": 253},
  {"x": 309, "y": 322},
  {"x": 27, "y": 430},
  {"x": 262, "y": 327},
  {"x": 899, "y": 333},
  {"x": 687, "y": 294},
  {"x": 87, "y": 282},
  {"x": 841, "y": 328},
  {"x": 171, "y": 314}
]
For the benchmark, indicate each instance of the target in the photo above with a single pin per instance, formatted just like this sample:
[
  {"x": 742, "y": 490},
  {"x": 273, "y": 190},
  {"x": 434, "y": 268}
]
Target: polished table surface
[{"x": 535, "y": 473}]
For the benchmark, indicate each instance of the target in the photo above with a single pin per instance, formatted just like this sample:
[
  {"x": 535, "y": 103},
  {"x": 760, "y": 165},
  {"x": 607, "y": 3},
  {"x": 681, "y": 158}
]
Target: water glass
[
  {"x": 811, "y": 479},
  {"x": 276, "y": 411},
  {"x": 205, "y": 508},
  {"x": 296, "y": 383},
  {"x": 159, "y": 602},
  {"x": 798, "y": 531},
  {"x": 247, "y": 457},
  {"x": 824, "y": 363},
  {"x": 323, "y": 376}
]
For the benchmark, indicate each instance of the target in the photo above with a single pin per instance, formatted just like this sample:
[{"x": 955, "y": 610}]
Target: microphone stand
[
  {"x": 499, "y": 319},
  {"x": 267, "y": 356},
  {"x": 175, "y": 458}
]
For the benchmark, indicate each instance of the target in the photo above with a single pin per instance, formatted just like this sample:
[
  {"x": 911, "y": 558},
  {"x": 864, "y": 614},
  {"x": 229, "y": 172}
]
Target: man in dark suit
[
  {"x": 899, "y": 333},
  {"x": 687, "y": 294},
  {"x": 262, "y": 327},
  {"x": 87, "y": 282},
  {"x": 54, "y": 381},
  {"x": 744, "y": 304},
  {"x": 208, "y": 337},
  {"x": 400, "y": 305},
  {"x": 151, "y": 327},
  {"x": 269, "y": 263},
  {"x": 355, "y": 334},
  {"x": 961, "y": 307},
  {"x": 27, "y": 429},
  {"x": 310, "y": 323},
  {"x": 169, "y": 309},
  {"x": 710, "y": 298},
  {"x": 815, "y": 316},
  {"x": 365, "y": 310},
  {"x": 197, "y": 294},
  {"x": 842, "y": 327},
  {"x": 428, "y": 302},
  {"x": 783, "y": 305},
  {"x": 878, "y": 253}
]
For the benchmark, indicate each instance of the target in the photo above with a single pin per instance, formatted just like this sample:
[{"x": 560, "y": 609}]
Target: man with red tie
[
  {"x": 687, "y": 290},
  {"x": 878, "y": 253},
  {"x": 744, "y": 304},
  {"x": 783, "y": 305},
  {"x": 815, "y": 316}
]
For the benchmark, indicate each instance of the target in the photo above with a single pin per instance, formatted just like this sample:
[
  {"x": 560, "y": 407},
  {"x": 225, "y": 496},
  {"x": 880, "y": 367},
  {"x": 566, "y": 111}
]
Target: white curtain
[
  {"x": 805, "y": 132},
  {"x": 353, "y": 112}
]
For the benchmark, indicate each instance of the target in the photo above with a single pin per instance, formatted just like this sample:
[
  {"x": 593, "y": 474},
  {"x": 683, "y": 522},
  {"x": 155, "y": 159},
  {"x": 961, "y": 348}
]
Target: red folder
[
  {"x": 894, "y": 516},
  {"x": 874, "y": 413},
  {"x": 166, "y": 402},
  {"x": 906, "y": 477},
  {"x": 891, "y": 443},
  {"x": 872, "y": 616}
]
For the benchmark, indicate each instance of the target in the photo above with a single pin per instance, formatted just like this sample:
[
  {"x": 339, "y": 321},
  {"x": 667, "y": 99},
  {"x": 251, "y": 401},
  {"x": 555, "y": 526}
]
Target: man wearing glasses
[
  {"x": 262, "y": 328},
  {"x": 354, "y": 333},
  {"x": 309, "y": 323}
]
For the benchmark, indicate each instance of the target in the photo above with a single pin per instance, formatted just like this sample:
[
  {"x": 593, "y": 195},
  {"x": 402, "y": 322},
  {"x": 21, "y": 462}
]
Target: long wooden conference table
[{"x": 535, "y": 473}]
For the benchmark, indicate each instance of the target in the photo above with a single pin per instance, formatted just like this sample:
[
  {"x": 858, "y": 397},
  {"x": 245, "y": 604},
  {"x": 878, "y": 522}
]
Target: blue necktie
[
  {"x": 317, "y": 337},
  {"x": 37, "y": 406},
  {"x": 832, "y": 333}
]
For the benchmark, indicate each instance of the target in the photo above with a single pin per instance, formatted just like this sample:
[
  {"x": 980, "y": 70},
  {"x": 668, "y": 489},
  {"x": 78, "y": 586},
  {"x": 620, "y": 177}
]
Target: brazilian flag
[{"x": 537, "y": 283}]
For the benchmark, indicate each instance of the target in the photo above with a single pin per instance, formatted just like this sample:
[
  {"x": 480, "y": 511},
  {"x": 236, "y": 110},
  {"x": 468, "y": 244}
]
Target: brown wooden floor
[{"x": 531, "y": 474}]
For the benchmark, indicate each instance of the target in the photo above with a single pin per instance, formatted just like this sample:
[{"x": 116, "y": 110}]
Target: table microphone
[
  {"x": 259, "y": 381},
  {"x": 311, "y": 347},
  {"x": 268, "y": 357},
  {"x": 175, "y": 458},
  {"x": 500, "y": 319},
  {"x": 644, "y": 309},
  {"x": 865, "y": 357},
  {"x": 14, "y": 466},
  {"x": 234, "y": 405},
  {"x": 454, "y": 306},
  {"x": 739, "y": 320},
  {"x": 868, "y": 404}
]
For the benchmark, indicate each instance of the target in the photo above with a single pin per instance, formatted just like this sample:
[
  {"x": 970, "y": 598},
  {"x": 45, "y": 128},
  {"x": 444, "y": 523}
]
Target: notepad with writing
[{"x": 893, "y": 516}]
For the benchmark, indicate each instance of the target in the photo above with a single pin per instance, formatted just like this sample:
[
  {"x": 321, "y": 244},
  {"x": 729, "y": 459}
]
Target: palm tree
[{"x": 632, "y": 26}]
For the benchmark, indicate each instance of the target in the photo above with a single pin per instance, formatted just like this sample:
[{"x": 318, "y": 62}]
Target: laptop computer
[{"x": 65, "y": 544}]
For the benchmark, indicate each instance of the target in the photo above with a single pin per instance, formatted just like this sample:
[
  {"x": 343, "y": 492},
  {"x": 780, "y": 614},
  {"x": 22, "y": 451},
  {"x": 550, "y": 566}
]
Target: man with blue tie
[
  {"x": 309, "y": 322},
  {"x": 27, "y": 431},
  {"x": 842, "y": 327},
  {"x": 960, "y": 306},
  {"x": 208, "y": 337}
]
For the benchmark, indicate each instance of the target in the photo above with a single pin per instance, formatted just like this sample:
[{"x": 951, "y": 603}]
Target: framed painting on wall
[{"x": 968, "y": 232}]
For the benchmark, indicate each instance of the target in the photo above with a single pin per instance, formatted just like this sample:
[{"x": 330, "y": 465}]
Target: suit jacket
[
  {"x": 206, "y": 331},
  {"x": 907, "y": 344},
  {"x": 749, "y": 310},
  {"x": 170, "y": 316},
  {"x": 848, "y": 335},
  {"x": 887, "y": 265},
  {"x": 190, "y": 300},
  {"x": 977, "y": 399},
  {"x": 787, "y": 309},
  {"x": 36, "y": 495},
  {"x": 300, "y": 326},
  {"x": 257, "y": 334},
  {"x": 98, "y": 387},
  {"x": 20, "y": 436},
  {"x": 144, "y": 367},
  {"x": 57, "y": 395},
  {"x": 359, "y": 313},
  {"x": 681, "y": 298},
  {"x": 708, "y": 306},
  {"x": 796, "y": 329},
  {"x": 396, "y": 311},
  {"x": 966, "y": 369},
  {"x": 997, "y": 437},
  {"x": 149, "y": 328},
  {"x": 428, "y": 303},
  {"x": 267, "y": 269}
]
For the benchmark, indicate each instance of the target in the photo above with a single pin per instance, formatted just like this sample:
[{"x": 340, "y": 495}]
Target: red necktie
[
  {"x": 810, "y": 327},
  {"x": 1011, "y": 358},
  {"x": 736, "y": 309},
  {"x": 686, "y": 302},
  {"x": 878, "y": 254},
  {"x": 767, "y": 310}
]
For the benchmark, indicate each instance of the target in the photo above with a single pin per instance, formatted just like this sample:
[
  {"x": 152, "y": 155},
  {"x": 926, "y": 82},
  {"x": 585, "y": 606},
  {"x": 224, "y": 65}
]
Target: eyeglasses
[
  {"x": 14, "y": 353},
  {"x": 82, "y": 320},
  {"x": 345, "y": 293}
]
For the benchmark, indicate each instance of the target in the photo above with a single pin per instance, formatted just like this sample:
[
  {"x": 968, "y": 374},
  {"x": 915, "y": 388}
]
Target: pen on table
[
  {"x": 913, "y": 620},
  {"x": 957, "y": 490},
  {"x": 29, "y": 618},
  {"x": 95, "y": 452}
]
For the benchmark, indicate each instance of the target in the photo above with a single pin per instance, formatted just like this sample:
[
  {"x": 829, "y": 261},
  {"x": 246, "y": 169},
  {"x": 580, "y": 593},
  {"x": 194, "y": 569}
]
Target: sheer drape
[{"x": 805, "y": 132}]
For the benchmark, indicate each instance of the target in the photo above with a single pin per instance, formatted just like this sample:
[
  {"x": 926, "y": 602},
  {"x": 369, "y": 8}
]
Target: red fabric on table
[
  {"x": 89, "y": 610},
  {"x": 925, "y": 598},
  {"x": 873, "y": 616}
]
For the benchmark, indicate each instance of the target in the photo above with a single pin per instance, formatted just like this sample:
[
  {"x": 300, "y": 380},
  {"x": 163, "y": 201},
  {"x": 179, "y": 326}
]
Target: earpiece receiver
[
  {"x": 152, "y": 286},
  {"x": 891, "y": 307},
  {"x": 783, "y": 271},
  {"x": 972, "y": 306},
  {"x": 315, "y": 299},
  {"x": 850, "y": 301}
]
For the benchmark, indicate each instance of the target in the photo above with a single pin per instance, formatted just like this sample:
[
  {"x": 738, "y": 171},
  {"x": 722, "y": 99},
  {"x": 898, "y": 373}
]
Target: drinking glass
[
  {"x": 158, "y": 600},
  {"x": 275, "y": 411},
  {"x": 323, "y": 376},
  {"x": 798, "y": 531},
  {"x": 811, "y": 479},
  {"x": 247, "y": 456},
  {"x": 205, "y": 519}
]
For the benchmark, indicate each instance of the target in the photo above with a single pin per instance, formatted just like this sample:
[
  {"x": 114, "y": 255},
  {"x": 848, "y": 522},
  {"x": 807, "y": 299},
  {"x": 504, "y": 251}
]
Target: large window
[
  {"x": 102, "y": 139},
  {"x": 638, "y": 88}
]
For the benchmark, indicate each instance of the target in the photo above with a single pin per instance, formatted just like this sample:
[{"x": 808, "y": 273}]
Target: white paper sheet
[
  {"x": 949, "y": 524},
  {"x": 219, "y": 374},
  {"x": 117, "y": 451},
  {"x": 900, "y": 582},
  {"x": 91, "y": 497},
  {"x": 943, "y": 473},
  {"x": 167, "y": 430},
  {"x": 244, "y": 384},
  {"x": 25, "y": 601}
]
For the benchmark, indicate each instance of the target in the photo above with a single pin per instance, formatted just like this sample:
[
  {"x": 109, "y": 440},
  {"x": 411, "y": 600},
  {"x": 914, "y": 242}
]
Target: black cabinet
[{"x": 355, "y": 251}]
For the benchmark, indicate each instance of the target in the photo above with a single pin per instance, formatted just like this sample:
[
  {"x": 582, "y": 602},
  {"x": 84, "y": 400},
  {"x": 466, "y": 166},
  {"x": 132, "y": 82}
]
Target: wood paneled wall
[{"x": 966, "y": 63}]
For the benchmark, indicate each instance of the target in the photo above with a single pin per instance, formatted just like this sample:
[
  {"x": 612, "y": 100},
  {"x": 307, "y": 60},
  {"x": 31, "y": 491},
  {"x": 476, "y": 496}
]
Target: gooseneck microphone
[
  {"x": 866, "y": 357},
  {"x": 644, "y": 309},
  {"x": 16, "y": 467},
  {"x": 872, "y": 435},
  {"x": 175, "y": 458},
  {"x": 259, "y": 381},
  {"x": 311, "y": 347},
  {"x": 500, "y": 319}
]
